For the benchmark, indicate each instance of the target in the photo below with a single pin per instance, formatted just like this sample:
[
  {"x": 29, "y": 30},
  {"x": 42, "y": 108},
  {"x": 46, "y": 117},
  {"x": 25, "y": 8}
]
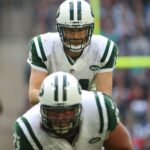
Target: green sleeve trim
[
  {"x": 35, "y": 59},
  {"x": 112, "y": 61},
  {"x": 32, "y": 133},
  {"x": 100, "y": 112},
  {"x": 106, "y": 51},
  {"x": 41, "y": 48},
  {"x": 20, "y": 140}
]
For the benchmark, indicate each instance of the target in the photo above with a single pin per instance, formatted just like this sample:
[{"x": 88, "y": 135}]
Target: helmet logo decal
[
  {"x": 71, "y": 10},
  {"x": 56, "y": 88},
  {"x": 79, "y": 10}
]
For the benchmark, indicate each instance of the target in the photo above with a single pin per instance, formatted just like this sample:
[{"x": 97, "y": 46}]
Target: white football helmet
[
  {"x": 75, "y": 14},
  {"x": 60, "y": 92}
]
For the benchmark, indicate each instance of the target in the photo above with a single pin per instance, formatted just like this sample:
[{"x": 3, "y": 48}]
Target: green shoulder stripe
[
  {"x": 111, "y": 111},
  {"x": 106, "y": 51},
  {"x": 41, "y": 48},
  {"x": 113, "y": 57},
  {"x": 20, "y": 141},
  {"x": 32, "y": 133},
  {"x": 35, "y": 59},
  {"x": 100, "y": 112}
]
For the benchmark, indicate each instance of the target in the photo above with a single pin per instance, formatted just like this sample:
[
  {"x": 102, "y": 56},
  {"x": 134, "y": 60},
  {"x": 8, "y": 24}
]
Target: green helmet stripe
[
  {"x": 64, "y": 88},
  {"x": 79, "y": 10},
  {"x": 56, "y": 89},
  {"x": 71, "y": 10}
]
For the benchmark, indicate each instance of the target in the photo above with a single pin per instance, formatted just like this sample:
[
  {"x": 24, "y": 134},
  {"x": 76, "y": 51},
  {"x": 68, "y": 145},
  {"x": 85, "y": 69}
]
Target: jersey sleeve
[
  {"x": 109, "y": 56},
  {"x": 20, "y": 141},
  {"x": 112, "y": 112},
  {"x": 37, "y": 57}
]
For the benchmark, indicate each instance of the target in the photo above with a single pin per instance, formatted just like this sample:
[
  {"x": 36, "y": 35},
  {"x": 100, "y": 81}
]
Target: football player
[
  {"x": 68, "y": 118},
  {"x": 74, "y": 49}
]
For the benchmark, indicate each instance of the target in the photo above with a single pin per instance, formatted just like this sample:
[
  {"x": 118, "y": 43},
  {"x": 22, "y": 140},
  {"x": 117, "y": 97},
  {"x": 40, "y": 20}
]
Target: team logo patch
[
  {"x": 94, "y": 67},
  {"x": 94, "y": 140}
]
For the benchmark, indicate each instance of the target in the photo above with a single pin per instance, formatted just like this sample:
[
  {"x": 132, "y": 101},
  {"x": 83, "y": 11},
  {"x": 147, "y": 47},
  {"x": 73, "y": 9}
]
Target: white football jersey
[
  {"x": 47, "y": 54},
  {"x": 99, "y": 117}
]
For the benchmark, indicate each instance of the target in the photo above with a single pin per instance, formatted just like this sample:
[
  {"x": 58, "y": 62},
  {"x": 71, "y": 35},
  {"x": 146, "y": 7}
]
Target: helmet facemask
[
  {"x": 75, "y": 38},
  {"x": 61, "y": 120}
]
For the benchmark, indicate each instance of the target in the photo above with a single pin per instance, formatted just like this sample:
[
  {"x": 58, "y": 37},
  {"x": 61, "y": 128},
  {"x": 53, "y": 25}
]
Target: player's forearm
[
  {"x": 34, "y": 96},
  {"x": 104, "y": 82},
  {"x": 107, "y": 90},
  {"x": 120, "y": 132}
]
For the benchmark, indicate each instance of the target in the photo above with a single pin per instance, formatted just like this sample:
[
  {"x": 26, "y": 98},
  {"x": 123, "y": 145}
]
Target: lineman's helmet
[{"x": 60, "y": 99}]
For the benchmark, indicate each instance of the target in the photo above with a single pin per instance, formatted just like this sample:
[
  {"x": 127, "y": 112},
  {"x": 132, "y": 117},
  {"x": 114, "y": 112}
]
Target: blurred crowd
[{"x": 127, "y": 22}]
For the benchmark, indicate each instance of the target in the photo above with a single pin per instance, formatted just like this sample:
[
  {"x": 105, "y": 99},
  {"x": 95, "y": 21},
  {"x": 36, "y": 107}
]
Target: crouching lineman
[{"x": 68, "y": 118}]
